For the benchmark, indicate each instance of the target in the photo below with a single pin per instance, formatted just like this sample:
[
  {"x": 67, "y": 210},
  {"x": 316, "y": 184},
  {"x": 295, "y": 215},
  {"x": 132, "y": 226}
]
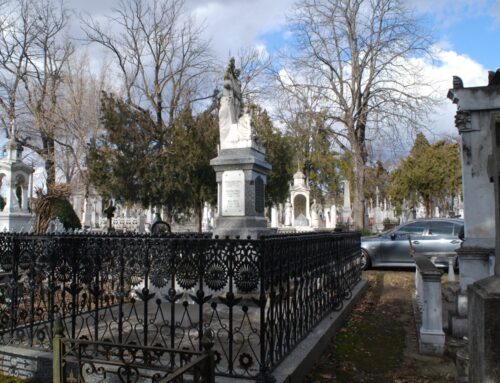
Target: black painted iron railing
[{"x": 261, "y": 297}]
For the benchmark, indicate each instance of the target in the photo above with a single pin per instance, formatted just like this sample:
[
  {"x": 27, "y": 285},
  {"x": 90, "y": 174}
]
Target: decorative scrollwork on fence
[{"x": 261, "y": 297}]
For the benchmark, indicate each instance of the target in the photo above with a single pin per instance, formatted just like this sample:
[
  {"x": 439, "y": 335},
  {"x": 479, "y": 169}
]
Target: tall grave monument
[{"x": 241, "y": 167}]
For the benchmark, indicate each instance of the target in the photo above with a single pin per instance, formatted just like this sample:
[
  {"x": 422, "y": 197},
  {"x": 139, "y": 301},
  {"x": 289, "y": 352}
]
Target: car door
[
  {"x": 397, "y": 248},
  {"x": 441, "y": 239}
]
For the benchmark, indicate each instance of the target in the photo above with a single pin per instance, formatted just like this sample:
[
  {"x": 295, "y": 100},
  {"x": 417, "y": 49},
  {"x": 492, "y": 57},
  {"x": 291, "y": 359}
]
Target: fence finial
[{"x": 58, "y": 329}]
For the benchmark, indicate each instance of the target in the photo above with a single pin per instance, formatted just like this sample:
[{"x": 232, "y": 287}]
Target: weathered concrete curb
[{"x": 295, "y": 366}]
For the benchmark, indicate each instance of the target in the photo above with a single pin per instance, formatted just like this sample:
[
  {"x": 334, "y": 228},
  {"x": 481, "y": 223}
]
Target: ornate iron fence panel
[
  {"x": 84, "y": 361},
  {"x": 261, "y": 297}
]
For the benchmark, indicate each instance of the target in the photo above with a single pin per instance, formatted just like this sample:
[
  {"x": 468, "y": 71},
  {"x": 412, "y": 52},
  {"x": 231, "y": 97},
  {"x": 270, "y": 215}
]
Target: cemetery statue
[
  {"x": 235, "y": 123},
  {"x": 314, "y": 207},
  {"x": 110, "y": 213}
]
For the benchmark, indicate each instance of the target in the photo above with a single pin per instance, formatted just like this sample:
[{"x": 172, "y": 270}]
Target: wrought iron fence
[
  {"x": 82, "y": 361},
  {"x": 261, "y": 297}
]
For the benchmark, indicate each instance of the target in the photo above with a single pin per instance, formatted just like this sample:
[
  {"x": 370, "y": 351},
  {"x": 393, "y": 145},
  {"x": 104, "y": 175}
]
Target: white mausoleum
[{"x": 15, "y": 178}]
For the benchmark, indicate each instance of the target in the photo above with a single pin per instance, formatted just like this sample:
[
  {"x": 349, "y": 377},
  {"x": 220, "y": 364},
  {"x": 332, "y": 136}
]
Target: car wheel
[{"x": 365, "y": 260}]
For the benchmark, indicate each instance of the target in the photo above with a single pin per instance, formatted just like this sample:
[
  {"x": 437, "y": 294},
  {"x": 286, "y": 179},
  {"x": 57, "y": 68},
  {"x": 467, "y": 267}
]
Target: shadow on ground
[{"x": 378, "y": 343}]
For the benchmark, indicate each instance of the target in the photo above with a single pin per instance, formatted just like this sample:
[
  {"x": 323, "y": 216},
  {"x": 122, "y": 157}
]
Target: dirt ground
[{"x": 378, "y": 343}]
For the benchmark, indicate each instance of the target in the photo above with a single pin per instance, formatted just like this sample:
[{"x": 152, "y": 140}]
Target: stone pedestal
[
  {"x": 241, "y": 176},
  {"x": 428, "y": 286},
  {"x": 484, "y": 330}
]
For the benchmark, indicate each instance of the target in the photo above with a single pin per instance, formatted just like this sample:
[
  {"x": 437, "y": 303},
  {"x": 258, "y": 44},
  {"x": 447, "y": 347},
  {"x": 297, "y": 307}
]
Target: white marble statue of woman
[{"x": 230, "y": 107}]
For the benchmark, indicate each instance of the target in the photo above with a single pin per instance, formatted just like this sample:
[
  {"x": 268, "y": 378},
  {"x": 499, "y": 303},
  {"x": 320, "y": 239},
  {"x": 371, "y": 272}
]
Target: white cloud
[
  {"x": 450, "y": 63},
  {"x": 495, "y": 11},
  {"x": 451, "y": 11},
  {"x": 235, "y": 24}
]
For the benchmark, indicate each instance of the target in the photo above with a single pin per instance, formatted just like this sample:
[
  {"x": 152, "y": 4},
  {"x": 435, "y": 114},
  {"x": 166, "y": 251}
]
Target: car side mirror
[{"x": 393, "y": 236}]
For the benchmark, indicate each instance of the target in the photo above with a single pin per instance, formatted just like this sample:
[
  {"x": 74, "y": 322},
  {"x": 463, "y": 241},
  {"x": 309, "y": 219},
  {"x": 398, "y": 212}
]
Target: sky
[{"x": 466, "y": 35}]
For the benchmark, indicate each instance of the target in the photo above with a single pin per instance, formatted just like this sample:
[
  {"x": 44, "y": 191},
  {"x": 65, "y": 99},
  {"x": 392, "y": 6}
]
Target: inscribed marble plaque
[{"x": 233, "y": 193}]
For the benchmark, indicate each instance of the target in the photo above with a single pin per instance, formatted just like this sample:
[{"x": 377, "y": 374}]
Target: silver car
[{"x": 437, "y": 238}]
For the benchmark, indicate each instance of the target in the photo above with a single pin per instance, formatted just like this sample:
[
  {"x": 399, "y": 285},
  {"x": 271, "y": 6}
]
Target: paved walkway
[{"x": 378, "y": 343}]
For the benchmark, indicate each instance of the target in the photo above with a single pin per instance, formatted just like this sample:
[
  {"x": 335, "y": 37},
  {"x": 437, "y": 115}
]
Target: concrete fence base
[{"x": 26, "y": 363}]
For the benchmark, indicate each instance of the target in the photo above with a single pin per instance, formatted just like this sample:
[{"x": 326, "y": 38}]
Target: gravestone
[
  {"x": 241, "y": 168},
  {"x": 346, "y": 209}
]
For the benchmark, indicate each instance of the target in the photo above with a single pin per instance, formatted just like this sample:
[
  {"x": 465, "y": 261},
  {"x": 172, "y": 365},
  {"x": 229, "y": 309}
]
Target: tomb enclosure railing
[{"x": 260, "y": 297}]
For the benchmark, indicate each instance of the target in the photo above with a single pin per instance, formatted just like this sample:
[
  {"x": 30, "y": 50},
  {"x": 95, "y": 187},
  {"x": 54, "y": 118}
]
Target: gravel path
[{"x": 378, "y": 343}]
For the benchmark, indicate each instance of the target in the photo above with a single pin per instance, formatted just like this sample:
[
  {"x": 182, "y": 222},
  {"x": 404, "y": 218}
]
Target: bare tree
[
  {"x": 254, "y": 66},
  {"x": 33, "y": 53},
  {"x": 159, "y": 54},
  {"x": 17, "y": 35},
  {"x": 78, "y": 115},
  {"x": 360, "y": 60}
]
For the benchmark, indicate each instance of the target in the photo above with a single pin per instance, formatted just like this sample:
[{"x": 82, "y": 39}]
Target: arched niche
[
  {"x": 20, "y": 192},
  {"x": 300, "y": 210}
]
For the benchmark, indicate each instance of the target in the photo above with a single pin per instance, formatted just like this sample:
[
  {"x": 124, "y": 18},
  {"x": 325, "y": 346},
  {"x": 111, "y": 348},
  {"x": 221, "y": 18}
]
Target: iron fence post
[
  {"x": 57, "y": 351},
  {"x": 207, "y": 342}
]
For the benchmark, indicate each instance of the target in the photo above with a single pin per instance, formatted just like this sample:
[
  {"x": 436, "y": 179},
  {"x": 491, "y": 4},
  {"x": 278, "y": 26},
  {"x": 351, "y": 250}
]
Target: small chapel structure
[
  {"x": 15, "y": 176},
  {"x": 299, "y": 196}
]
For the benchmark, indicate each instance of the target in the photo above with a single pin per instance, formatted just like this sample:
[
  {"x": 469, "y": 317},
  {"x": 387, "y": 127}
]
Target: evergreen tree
[
  {"x": 194, "y": 144},
  {"x": 123, "y": 161},
  {"x": 279, "y": 153},
  {"x": 376, "y": 176},
  {"x": 134, "y": 161},
  {"x": 431, "y": 173}
]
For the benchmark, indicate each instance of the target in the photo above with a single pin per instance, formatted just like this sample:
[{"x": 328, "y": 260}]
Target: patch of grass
[
  {"x": 10, "y": 379},
  {"x": 368, "y": 346}
]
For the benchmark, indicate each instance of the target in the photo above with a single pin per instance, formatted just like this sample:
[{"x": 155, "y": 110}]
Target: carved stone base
[
  {"x": 474, "y": 264},
  {"x": 242, "y": 227},
  {"x": 241, "y": 178}
]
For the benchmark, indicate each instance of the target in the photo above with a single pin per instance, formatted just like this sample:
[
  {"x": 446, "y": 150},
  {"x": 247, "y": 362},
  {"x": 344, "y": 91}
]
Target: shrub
[
  {"x": 63, "y": 209},
  {"x": 54, "y": 204}
]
